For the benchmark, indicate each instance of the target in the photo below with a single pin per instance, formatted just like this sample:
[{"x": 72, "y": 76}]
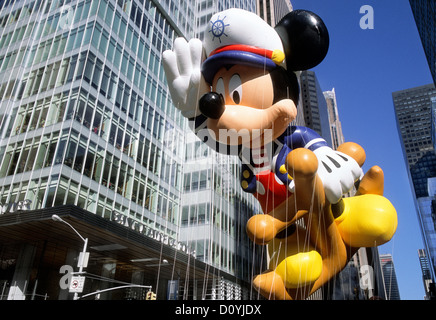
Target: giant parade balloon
[{"x": 239, "y": 90}]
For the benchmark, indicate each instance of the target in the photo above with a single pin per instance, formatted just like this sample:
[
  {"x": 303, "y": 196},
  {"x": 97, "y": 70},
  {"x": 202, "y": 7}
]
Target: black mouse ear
[{"x": 305, "y": 39}]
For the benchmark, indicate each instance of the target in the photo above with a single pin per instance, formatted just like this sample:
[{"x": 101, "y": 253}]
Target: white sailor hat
[
  {"x": 299, "y": 41},
  {"x": 237, "y": 36}
]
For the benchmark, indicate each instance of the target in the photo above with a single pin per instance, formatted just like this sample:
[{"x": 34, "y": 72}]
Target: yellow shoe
[
  {"x": 300, "y": 269},
  {"x": 367, "y": 220}
]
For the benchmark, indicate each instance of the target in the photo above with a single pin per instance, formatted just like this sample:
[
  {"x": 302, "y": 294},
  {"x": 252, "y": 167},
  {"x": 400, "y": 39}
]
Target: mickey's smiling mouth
[{"x": 239, "y": 124}]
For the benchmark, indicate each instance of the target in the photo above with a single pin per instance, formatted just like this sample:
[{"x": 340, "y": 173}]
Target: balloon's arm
[
  {"x": 297, "y": 137},
  {"x": 303, "y": 137},
  {"x": 182, "y": 67},
  {"x": 337, "y": 171},
  {"x": 198, "y": 125}
]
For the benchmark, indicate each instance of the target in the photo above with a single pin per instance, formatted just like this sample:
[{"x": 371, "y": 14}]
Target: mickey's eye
[
  {"x": 235, "y": 88},
  {"x": 220, "y": 87}
]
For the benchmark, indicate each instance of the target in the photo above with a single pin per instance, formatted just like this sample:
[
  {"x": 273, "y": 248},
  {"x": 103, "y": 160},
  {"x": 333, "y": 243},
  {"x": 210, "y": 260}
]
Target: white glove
[
  {"x": 183, "y": 72},
  {"x": 338, "y": 172}
]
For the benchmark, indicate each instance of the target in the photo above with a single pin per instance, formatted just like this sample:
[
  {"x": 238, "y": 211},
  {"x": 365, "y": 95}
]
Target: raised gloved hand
[
  {"x": 337, "y": 171},
  {"x": 182, "y": 67}
]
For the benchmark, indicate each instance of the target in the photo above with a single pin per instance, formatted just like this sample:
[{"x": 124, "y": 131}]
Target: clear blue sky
[{"x": 365, "y": 67}]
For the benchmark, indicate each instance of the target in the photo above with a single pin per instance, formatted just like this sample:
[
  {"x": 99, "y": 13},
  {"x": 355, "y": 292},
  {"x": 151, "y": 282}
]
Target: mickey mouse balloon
[{"x": 239, "y": 90}]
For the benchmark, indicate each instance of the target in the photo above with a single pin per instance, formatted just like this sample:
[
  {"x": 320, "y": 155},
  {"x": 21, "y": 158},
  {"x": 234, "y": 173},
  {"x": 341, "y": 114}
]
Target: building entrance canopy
[{"x": 108, "y": 242}]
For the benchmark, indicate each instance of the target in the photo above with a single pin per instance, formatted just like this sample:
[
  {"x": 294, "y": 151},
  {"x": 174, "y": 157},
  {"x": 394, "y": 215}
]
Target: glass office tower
[
  {"x": 389, "y": 276},
  {"x": 215, "y": 210},
  {"x": 272, "y": 11},
  {"x": 424, "y": 12},
  {"x": 335, "y": 123},
  {"x": 414, "y": 110},
  {"x": 85, "y": 115},
  {"x": 85, "y": 112},
  {"x": 88, "y": 129},
  {"x": 426, "y": 274},
  {"x": 314, "y": 104}
]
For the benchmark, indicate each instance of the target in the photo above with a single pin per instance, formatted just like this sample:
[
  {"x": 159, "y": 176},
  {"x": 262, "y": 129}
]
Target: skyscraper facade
[
  {"x": 426, "y": 274},
  {"x": 215, "y": 211},
  {"x": 389, "y": 276},
  {"x": 414, "y": 109},
  {"x": 314, "y": 105},
  {"x": 424, "y": 13},
  {"x": 335, "y": 123},
  {"x": 272, "y": 11},
  {"x": 89, "y": 132},
  {"x": 85, "y": 120},
  {"x": 85, "y": 111},
  {"x": 427, "y": 218}
]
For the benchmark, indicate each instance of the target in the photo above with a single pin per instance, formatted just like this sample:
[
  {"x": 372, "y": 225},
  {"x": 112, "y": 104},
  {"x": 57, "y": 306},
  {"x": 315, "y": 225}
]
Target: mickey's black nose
[{"x": 212, "y": 105}]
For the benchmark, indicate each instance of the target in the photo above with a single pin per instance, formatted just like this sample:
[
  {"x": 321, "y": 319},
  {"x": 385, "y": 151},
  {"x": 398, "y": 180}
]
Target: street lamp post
[{"x": 85, "y": 240}]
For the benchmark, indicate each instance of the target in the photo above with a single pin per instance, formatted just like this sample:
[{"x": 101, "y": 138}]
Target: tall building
[
  {"x": 414, "y": 110},
  {"x": 427, "y": 219},
  {"x": 424, "y": 12},
  {"x": 314, "y": 105},
  {"x": 84, "y": 111},
  {"x": 426, "y": 275},
  {"x": 215, "y": 211},
  {"x": 272, "y": 11},
  {"x": 389, "y": 276},
  {"x": 89, "y": 133},
  {"x": 335, "y": 123},
  {"x": 414, "y": 114},
  {"x": 361, "y": 279}
]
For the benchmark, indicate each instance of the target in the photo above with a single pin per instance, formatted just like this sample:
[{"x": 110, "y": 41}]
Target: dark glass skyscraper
[
  {"x": 414, "y": 109},
  {"x": 424, "y": 12},
  {"x": 426, "y": 275},
  {"x": 272, "y": 11},
  {"x": 314, "y": 105},
  {"x": 389, "y": 276}
]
